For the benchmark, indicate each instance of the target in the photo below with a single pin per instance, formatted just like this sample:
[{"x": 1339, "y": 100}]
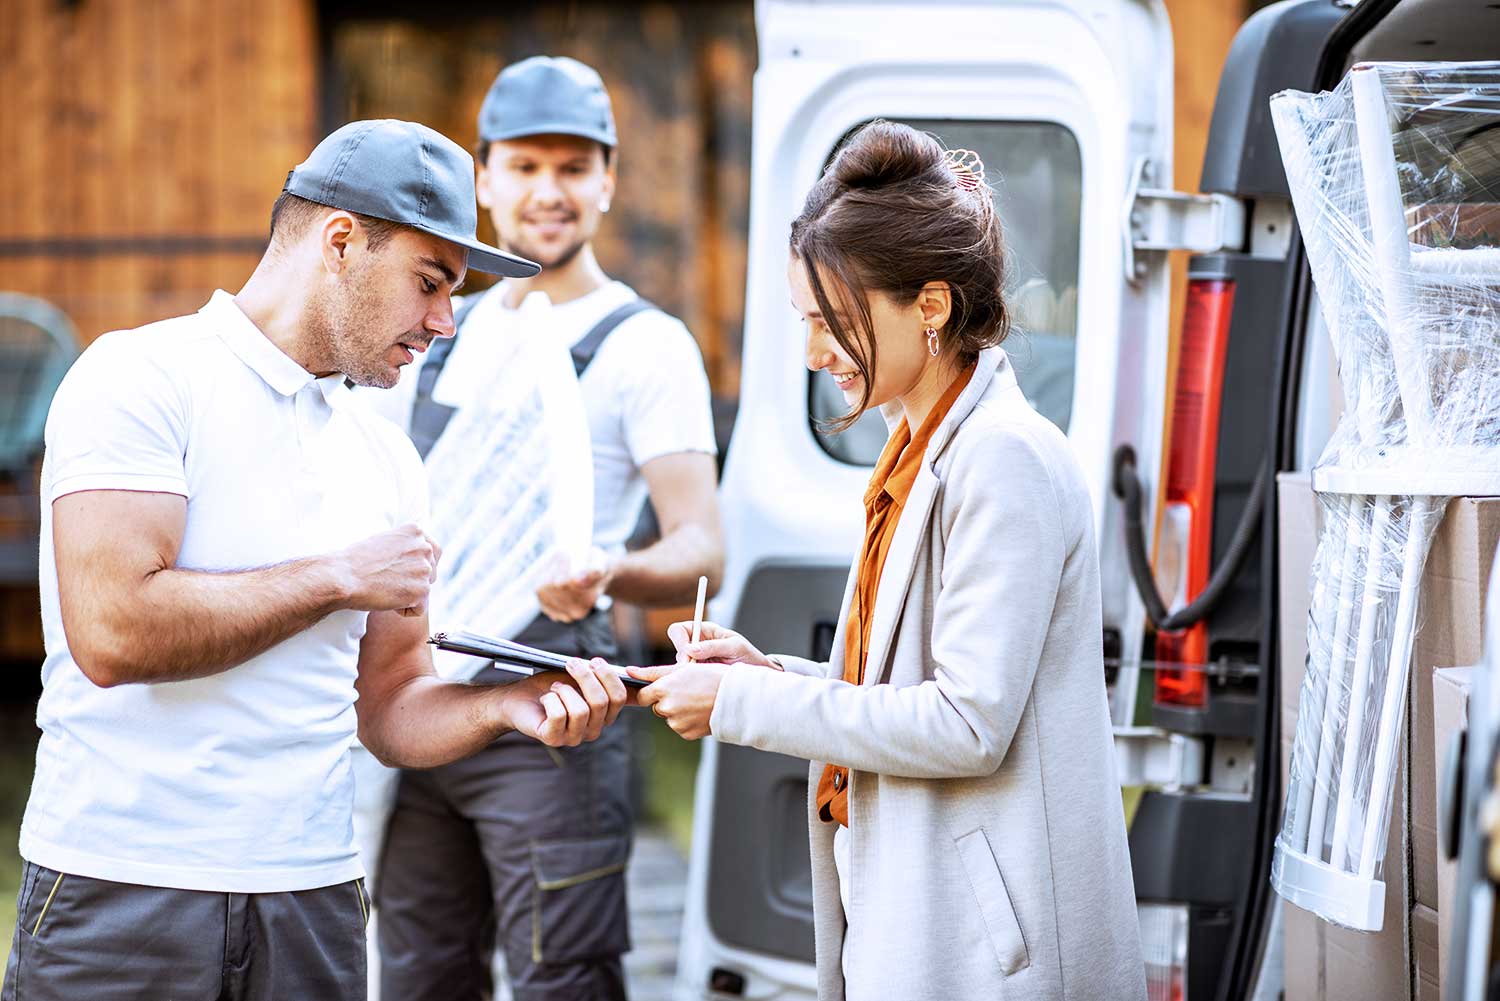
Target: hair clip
[{"x": 968, "y": 169}]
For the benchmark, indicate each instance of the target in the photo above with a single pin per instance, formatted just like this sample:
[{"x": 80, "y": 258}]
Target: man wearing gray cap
[
  {"x": 231, "y": 552},
  {"x": 517, "y": 847}
]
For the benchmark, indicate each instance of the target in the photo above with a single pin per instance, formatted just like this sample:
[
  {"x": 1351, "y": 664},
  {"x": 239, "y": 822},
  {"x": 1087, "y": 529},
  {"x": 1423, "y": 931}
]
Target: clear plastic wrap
[{"x": 1395, "y": 177}]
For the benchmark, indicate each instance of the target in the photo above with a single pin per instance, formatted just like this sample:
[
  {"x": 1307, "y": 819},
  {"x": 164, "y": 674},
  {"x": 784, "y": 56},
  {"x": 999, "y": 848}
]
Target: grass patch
[
  {"x": 18, "y": 736},
  {"x": 669, "y": 766}
]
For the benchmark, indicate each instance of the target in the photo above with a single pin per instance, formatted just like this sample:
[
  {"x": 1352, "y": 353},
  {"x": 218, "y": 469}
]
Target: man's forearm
[
  {"x": 667, "y": 572},
  {"x": 429, "y": 722},
  {"x": 182, "y": 624}
]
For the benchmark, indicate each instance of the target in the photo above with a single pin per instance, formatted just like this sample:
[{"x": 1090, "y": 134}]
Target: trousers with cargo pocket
[
  {"x": 520, "y": 846},
  {"x": 77, "y": 937}
]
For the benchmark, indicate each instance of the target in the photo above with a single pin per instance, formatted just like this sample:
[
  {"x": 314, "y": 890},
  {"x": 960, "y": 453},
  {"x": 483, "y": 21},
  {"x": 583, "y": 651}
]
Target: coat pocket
[{"x": 994, "y": 902}]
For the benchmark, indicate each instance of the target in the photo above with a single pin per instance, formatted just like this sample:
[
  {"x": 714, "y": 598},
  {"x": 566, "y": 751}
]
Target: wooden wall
[{"x": 145, "y": 143}]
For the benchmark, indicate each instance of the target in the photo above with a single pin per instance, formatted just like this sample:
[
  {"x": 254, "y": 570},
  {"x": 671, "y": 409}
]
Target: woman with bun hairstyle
[{"x": 968, "y": 836}]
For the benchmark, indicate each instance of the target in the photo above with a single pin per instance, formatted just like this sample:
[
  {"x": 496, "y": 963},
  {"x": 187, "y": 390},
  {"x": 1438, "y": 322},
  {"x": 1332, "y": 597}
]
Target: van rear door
[{"x": 1070, "y": 106}]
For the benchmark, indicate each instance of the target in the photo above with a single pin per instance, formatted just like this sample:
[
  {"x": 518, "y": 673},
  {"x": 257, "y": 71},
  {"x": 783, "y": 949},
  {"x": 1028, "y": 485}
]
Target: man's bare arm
[
  {"x": 409, "y": 718},
  {"x": 684, "y": 491},
  {"x": 132, "y": 616}
]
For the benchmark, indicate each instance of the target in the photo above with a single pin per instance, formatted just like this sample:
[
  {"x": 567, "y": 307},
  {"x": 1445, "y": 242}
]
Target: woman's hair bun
[
  {"x": 892, "y": 213},
  {"x": 886, "y": 154}
]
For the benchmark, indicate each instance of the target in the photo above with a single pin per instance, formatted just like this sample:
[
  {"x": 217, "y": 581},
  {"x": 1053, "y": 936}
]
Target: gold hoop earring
[{"x": 932, "y": 342}]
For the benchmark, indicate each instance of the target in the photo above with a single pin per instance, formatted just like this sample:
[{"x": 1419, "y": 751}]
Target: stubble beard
[
  {"x": 563, "y": 259},
  {"x": 345, "y": 328}
]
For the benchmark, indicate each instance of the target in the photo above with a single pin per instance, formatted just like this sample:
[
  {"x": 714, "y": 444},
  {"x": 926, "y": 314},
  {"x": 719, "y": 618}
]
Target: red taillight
[
  {"x": 1186, "y": 543},
  {"x": 1164, "y": 944}
]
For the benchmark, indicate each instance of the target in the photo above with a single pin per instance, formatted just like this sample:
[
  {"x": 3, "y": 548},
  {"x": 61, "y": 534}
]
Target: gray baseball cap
[
  {"x": 547, "y": 95},
  {"x": 404, "y": 173}
]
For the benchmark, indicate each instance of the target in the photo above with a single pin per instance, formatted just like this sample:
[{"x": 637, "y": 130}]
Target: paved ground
[{"x": 657, "y": 879}]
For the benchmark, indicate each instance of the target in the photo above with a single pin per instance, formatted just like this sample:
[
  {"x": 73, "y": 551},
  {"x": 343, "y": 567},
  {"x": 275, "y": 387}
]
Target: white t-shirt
[
  {"x": 239, "y": 782},
  {"x": 646, "y": 393}
]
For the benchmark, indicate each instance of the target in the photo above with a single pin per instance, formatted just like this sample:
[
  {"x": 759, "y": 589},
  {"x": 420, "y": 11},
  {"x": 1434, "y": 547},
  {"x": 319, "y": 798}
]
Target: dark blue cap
[
  {"x": 404, "y": 173},
  {"x": 547, "y": 95}
]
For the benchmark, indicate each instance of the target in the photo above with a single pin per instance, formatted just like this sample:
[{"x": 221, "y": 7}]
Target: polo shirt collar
[{"x": 255, "y": 349}]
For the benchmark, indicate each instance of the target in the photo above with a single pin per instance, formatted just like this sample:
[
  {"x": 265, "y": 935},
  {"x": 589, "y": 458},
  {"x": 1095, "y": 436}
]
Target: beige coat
[{"x": 988, "y": 855}]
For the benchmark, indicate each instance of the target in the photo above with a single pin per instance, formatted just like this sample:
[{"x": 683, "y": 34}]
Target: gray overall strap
[
  {"x": 428, "y": 417},
  {"x": 583, "y": 352}
]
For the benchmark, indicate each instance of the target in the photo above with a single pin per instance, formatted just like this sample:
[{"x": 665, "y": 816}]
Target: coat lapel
[
  {"x": 895, "y": 577},
  {"x": 992, "y": 372}
]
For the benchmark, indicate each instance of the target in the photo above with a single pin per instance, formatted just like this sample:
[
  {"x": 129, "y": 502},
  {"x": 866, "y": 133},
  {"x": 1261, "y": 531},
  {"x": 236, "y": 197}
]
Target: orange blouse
[{"x": 890, "y": 485}]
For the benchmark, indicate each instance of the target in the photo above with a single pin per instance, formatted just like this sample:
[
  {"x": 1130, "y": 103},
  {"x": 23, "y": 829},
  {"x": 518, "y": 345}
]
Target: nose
[
  {"x": 819, "y": 354},
  {"x": 440, "y": 318},
  {"x": 545, "y": 189}
]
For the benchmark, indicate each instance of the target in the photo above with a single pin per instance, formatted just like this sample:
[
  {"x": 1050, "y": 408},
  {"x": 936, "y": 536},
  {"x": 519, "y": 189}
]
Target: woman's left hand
[{"x": 682, "y": 694}]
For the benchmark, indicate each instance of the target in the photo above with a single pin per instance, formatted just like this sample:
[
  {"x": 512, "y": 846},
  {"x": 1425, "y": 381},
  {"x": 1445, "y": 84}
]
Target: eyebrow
[{"x": 433, "y": 262}]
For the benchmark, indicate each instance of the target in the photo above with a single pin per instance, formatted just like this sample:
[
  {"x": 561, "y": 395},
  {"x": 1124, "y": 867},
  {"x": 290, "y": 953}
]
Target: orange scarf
[{"x": 890, "y": 485}]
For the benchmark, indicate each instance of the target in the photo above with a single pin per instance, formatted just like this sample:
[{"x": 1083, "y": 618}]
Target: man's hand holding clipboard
[{"x": 523, "y": 661}]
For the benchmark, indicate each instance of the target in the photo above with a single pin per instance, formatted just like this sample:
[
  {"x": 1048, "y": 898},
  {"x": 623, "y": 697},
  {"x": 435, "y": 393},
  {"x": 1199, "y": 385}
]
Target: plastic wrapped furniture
[{"x": 1394, "y": 180}]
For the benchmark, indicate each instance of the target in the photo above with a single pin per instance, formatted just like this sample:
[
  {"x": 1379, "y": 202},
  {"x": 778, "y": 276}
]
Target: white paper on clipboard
[{"x": 511, "y": 478}]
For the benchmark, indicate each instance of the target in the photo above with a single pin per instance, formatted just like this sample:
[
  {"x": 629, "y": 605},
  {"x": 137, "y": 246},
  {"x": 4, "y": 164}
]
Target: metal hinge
[
  {"x": 1147, "y": 756},
  {"x": 1158, "y": 220}
]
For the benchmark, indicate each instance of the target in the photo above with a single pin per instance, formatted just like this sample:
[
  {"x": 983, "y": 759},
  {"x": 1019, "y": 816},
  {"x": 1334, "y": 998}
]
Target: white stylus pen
[{"x": 698, "y": 611}]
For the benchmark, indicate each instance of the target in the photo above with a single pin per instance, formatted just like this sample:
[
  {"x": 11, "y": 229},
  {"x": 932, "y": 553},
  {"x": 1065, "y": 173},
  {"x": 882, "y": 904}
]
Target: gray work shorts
[{"x": 78, "y": 937}]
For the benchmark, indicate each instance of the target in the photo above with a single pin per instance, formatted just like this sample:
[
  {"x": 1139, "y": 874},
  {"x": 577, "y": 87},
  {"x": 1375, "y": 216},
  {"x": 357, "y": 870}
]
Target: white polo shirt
[{"x": 239, "y": 782}]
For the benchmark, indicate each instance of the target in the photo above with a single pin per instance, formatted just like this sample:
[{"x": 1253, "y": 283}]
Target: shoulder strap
[
  {"x": 584, "y": 351},
  {"x": 428, "y": 417}
]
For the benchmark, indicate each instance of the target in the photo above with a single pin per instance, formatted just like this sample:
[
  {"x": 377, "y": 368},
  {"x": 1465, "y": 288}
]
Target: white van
[{"x": 1069, "y": 102}]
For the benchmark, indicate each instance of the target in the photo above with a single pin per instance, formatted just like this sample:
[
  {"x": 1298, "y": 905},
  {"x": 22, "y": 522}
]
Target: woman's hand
[
  {"x": 716, "y": 645},
  {"x": 682, "y": 694}
]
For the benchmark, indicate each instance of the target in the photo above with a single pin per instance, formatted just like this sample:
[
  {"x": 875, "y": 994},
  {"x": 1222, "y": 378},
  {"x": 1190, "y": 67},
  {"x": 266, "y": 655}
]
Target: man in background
[{"x": 522, "y": 846}]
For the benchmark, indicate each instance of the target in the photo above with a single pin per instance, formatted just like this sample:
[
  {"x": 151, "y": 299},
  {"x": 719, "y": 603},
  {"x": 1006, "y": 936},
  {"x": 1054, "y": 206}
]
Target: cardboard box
[
  {"x": 1451, "y": 611},
  {"x": 1325, "y": 962},
  {"x": 1450, "y": 715},
  {"x": 1426, "y": 974}
]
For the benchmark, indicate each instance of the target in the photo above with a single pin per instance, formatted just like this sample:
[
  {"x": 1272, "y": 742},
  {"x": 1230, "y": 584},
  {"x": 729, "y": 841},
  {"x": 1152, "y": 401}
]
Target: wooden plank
[{"x": 120, "y": 291}]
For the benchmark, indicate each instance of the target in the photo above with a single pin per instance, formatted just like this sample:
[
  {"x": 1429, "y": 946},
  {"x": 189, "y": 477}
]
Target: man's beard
[
  {"x": 521, "y": 249},
  {"x": 345, "y": 326}
]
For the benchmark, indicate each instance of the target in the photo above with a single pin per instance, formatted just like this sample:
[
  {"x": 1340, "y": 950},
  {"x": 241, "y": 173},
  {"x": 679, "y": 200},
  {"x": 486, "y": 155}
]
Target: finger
[
  {"x": 681, "y": 635},
  {"x": 549, "y": 607},
  {"x": 578, "y": 712},
  {"x": 555, "y": 726},
  {"x": 413, "y": 611},
  {"x": 614, "y": 687},
  {"x": 592, "y": 690},
  {"x": 558, "y": 609},
  {"x": 651, "y": 674},
  {"x": 650, "y": 695},
  {"x": 715, "y": 651},
  {"x": 437, "y": 554}
]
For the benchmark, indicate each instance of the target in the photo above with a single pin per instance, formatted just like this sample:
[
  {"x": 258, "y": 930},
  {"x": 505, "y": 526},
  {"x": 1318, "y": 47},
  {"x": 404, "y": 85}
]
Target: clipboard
[{"x": 511, "y": 656}]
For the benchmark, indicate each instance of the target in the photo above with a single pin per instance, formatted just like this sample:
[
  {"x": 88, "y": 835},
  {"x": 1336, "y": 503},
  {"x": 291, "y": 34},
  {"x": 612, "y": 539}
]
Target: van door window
[{"x": 1036, "y": 172}]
